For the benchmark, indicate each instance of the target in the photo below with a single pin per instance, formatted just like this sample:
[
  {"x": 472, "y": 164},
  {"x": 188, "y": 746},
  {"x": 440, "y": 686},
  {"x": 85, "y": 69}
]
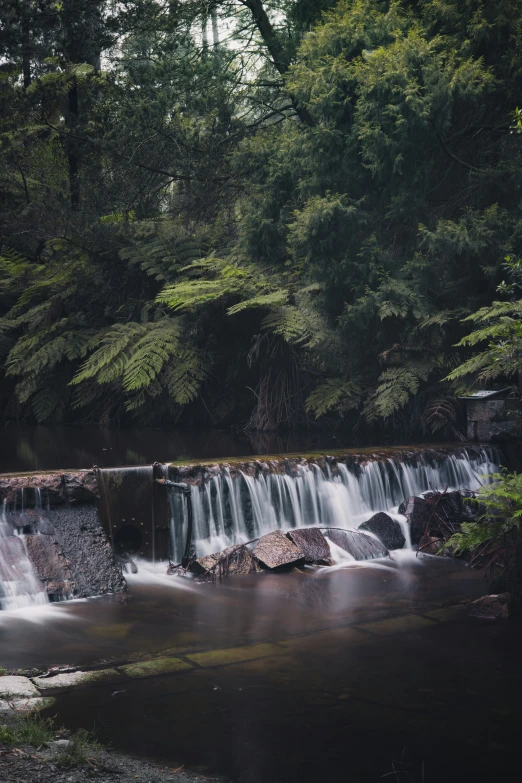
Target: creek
[{"x": 355, "y": 671}]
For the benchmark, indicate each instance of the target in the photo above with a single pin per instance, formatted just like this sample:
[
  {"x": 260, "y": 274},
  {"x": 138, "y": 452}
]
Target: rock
[
  {"x": 52, "y": 567},
  {"x": 19, "y": 706},
  {"x": 491, "y": 606},
  {"x": 58, "y": 745},
  {"x": 231, "y": 562},
  {"x": 68, "y": 680},
  {"x": 388, "y": 530},
  {"x": 276, "y": 551},
  {"x": 48, "y": 485},
  {"x": 80, "y": 487},
  {"x": 314, "y": 546},
  {"x": 416, "y": 511},
  {"x": 357, "y": 544},
  {"x": 430, "y": 545},
  {"x": 12, "y": 686},
  {"x": 87, "y": 548}
]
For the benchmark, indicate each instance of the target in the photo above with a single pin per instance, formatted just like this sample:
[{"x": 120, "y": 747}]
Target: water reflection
[{"x": 59, "y": 447}]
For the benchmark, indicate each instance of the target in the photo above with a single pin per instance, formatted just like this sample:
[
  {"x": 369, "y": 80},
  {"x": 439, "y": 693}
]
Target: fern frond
[
  {"x": 395, "y": 387},
  {"x": 333, "y": 395},
  {"x": 273, "y": 299}
]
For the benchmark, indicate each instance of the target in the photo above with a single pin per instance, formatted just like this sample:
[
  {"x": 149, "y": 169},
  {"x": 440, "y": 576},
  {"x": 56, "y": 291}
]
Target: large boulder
[
  {"x": 233, "y": 561},
  {"x": 492, "y": 606},
  {"x": 417, "y": 512},
  {"x": 359, "y": 545},
  {"x": 52, "y": 567},
  {"x": 275, "y": 550},
  {"x": 388, "y": 530},
  {"x": 314, "y": 546}
]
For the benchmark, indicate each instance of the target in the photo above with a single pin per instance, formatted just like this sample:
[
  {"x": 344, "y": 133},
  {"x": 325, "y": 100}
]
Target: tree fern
[
  {"x": 333, "y": 395},
  {"x": 395, "y": 387}
]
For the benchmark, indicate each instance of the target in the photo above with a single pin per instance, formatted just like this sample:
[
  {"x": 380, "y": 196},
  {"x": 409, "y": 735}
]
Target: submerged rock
[
  {"x": 357, "y": 544},
  {"x": 491, "y": 606},
  {"x": 51, "y": 565},
  {"x": 275, "y": 550},
  {"x": 388, "y": 530},
  {"x": 314, "y": 546},
  {"x": 417, "y": 512}
]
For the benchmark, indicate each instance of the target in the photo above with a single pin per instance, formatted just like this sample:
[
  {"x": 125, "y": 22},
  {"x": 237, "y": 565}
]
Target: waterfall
[
  {"x": 231, "y": 510},
  {"x": 19, "y": 583}
]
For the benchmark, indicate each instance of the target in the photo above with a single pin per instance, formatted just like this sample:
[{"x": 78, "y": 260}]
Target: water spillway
[
  {"x": 232, "y": 504},
  {"x": 58, "y": 531}
]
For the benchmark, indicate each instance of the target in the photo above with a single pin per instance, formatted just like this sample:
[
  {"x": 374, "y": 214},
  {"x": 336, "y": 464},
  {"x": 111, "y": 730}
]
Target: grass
[
  {"x": 35, "y": 731},
  {"x": 82, "y": 746},
  {"x": 31, "y": 730}
]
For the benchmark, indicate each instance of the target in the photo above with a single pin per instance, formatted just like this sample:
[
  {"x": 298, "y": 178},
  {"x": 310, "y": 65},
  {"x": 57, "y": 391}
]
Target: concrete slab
[
  {"x": 408, "y": 622},
  {"x": 447, "y": 613},
  {"x": 73, "y": 679},
  {"x": 155, "y": 667},
  {"x": 12, "y": 686},
  {"x": 326, "y": 640},
  {"x": 19, "y": 706},
  {"x": 235, "y": 654}
]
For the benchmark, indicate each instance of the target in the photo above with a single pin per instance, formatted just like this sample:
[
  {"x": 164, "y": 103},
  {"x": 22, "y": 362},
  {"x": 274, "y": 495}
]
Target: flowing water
[
  {"x": 353, "y": 672},
  {"x": 230, "y": 511},
  {"x": 19, "y": 584}
]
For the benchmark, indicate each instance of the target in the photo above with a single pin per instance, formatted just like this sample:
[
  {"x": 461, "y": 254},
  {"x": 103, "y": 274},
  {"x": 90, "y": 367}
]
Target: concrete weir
[{"x": 76, "y": 529}]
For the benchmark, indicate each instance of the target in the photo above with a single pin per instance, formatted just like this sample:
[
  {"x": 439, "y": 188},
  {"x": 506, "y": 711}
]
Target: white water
[
  {"x": 230, "y": 511},
  {"x": 19, "y": 583}
]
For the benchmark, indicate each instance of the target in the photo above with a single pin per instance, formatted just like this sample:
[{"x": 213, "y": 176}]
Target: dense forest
[{"x": 261, "y": 214}]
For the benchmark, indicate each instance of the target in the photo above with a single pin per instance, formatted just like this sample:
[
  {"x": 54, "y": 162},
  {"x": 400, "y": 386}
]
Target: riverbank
[{"x": 74, "y": 758}]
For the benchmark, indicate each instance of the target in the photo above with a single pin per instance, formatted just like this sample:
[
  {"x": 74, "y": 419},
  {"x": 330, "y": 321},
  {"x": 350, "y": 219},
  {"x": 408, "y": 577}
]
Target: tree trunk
[
  {"x": 276, "y": 51},
  {"x": 26, "y": 44},
  {"x": 215, "y": 30}
]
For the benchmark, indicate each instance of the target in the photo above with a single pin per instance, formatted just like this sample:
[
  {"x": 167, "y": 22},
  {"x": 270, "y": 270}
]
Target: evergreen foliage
[{"x": 288, "y": 226}]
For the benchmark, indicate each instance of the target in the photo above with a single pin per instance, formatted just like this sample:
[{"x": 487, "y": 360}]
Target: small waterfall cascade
[
  {"x": 19, "y": 583},
  {"x": 231, "y": 510}
]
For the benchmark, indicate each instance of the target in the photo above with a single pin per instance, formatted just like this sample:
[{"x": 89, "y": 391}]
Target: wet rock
[
  {"x": 232, "y": 561},
  {"x": 430, "y": 545},
  {"x": 80, "y": 487},
  {"x": 357, "y": 544},
  {"x": 493, "y": 606},
  {"x": 275, "y": 550},
  {"x": 52, "y": 567},
  {"x": 20, "y": 491},
  {"x": 388, "y": 530},
  {"x": 456, "y": 506},
  {"x": 314, "y": 546},
  {"x": 86, "y": 546},
  {"x": 417, "y": 512}
]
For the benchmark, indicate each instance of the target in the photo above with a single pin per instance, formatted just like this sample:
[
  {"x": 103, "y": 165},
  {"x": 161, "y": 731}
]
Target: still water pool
[{"x": 333, "y": 674}]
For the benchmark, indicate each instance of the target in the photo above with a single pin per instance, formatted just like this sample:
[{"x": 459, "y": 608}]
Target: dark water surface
[
  {"x": 24, "y": 448},
  {"x": 362, "y": 668}
]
